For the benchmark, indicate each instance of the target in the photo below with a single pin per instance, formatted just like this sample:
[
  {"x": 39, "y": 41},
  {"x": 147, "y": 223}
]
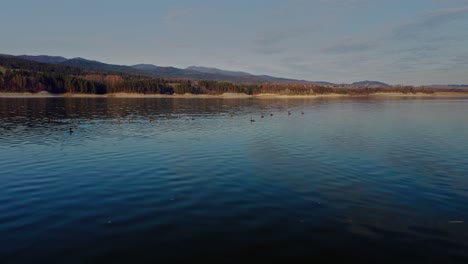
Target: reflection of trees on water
[
  {"x": 60, "y": 111},
  {"x": 40, "y": 109},
  {"x": 50, "y": 115}
]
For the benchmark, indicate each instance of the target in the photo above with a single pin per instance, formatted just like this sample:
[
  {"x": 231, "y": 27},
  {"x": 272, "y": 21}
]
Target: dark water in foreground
[{"x": 353, "y": 179}]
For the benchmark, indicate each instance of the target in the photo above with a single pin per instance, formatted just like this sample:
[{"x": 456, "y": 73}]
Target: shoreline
[{"x": 227, "y": 95}]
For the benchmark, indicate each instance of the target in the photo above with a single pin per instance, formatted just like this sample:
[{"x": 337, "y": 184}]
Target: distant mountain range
[
  {"x": 193, "y": 72},
  {"x": 370, "y": 84},
  {"x": 218, "y": 71}
]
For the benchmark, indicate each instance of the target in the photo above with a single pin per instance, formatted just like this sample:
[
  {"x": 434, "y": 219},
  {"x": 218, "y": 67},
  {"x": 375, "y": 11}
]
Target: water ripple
[{"x": 171, "y": 179}]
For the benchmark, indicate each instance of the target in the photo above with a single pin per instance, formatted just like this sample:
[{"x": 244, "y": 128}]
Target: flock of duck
[
  {"x": 271, "y": 114},
  {"x": 151, "y": 120}
]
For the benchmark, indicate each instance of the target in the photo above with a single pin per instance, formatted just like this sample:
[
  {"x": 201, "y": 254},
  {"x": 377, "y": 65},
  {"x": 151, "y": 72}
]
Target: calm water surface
[{"x": 171, "y": 180}]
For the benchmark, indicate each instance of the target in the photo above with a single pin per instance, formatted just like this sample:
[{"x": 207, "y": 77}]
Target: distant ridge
[
  {"x": 191, "y": 73},
  {"x": 217, "y": 71},
  {"x": 370, "y": 84},
  {"x": 39, "y": 58},
  {"x": 96, "y": 65}
]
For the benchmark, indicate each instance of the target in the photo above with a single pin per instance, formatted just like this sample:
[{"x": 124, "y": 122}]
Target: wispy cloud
[
  {"x": 429, "y": 21},
  {"x": 275, "y": 41},
  {"x": 349, "y": 46}
]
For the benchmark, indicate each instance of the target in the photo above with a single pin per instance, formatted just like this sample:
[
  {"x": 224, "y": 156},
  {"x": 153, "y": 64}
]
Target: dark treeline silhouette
[
  {"x": 311, "y": 89},
  {"x": 23, "y": 81},
  {"x": 18, "y": 76},
  {"x": 27, "y": 65}
]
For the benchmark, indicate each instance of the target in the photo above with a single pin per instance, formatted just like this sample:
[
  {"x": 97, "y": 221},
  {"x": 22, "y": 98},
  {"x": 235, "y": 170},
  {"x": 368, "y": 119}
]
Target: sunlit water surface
[{"x": 375, "y": 180}]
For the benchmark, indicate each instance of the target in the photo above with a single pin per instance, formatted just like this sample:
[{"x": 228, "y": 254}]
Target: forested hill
[
  {"x": 21, "y": 75},
  {"x": 82, "y": 76},
  {"x": 189, "y": 73},
  {"x": 192, "y": 73}
]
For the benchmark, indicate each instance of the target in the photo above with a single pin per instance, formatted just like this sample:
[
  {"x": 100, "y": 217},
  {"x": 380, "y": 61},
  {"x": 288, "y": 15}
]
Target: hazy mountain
[
  {"x": 193, "y": 72},
  {"x": 217, "y": 71},
  {"x": 151, "y": 67},
  {"x": 168, "y": 72},
  {"x": 96, "y": 65},
  {"x": 250, "y": 77},
  {"x": 369, "y": 84},
  {"x": 205, "y": 73},
  {"x": 44, "y": 59},
  {"x": 39, "y": 58}
]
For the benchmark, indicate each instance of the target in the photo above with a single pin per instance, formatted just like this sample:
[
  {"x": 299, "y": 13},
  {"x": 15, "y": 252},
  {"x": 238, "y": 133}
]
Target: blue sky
[{"x": 395, "y": 41}]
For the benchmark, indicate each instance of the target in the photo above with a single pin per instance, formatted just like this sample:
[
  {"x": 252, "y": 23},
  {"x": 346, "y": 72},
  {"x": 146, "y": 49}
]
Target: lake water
[{"x": 374, "y": 180}]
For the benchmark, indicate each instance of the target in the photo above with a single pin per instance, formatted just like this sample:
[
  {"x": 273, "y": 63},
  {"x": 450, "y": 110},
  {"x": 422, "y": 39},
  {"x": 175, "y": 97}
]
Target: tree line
[
  {"x": 20, "y": 81},
  {"x": 18, "y": 76}
]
